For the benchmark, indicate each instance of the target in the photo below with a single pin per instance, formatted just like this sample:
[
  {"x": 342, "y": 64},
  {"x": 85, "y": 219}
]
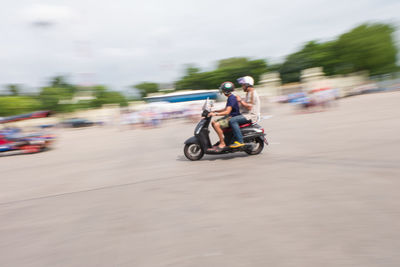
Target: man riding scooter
[
  {"x": 200, "y": 143},
  {"x": 230, "y": 111},
  {"x": 250, "y": 109}
]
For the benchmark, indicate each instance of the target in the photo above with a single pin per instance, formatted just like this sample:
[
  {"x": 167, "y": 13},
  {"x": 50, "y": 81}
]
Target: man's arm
[
  {"x": 248, "y": 105},
  {"x": 222, "y": 112}
]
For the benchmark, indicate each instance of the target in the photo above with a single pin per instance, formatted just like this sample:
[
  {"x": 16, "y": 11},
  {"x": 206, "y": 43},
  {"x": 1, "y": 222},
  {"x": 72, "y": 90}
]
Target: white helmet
[{"x": 246, "y": 80}]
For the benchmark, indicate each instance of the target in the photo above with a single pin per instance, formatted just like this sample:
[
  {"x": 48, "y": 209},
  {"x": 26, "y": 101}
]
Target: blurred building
[
  {"x": 270, "y": 84},
  {"x": 311, "y": 79}
]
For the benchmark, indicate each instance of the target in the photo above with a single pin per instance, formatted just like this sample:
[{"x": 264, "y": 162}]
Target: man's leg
[
  {"x": 220, "y": 133},
  {"x": 234, "y": 123}
]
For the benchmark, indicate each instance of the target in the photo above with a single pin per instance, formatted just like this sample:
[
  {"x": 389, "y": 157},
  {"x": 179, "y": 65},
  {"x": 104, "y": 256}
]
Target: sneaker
[{"x": 236, "y": 144}]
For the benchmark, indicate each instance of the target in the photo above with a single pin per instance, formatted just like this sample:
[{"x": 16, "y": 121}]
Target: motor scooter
[{"x": 200, "y": 144}]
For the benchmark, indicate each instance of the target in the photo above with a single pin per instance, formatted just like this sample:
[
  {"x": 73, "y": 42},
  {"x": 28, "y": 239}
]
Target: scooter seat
[
  {"x": 241, "y": 126},
  {"x": 245, "y": 125}
]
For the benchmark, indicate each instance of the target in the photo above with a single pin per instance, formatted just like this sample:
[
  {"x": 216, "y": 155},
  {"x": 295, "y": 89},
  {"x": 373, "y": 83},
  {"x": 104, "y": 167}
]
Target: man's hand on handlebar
[{"x": 211, "y": 114}]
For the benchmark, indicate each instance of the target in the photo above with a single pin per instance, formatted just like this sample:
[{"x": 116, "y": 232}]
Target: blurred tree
[
  {"x": 232, "y": 62},
  {"x": 228, "y": 70},
  {"x": 146, "y": 88},
  {"x": 14, "y": 105},
  {"x": 61, "y": 82},
  {"x": 50, "y": 99},
  {"x": 367, "y": 47},
  {"x": 103, "y": 96},
  {"x": 313, "y": 54},
  {"x": 58, "y": 81},
  {"x": 13, "y": 89},
  {"x": 191, "y": 69},
  {"x": 275, "y": 67}
]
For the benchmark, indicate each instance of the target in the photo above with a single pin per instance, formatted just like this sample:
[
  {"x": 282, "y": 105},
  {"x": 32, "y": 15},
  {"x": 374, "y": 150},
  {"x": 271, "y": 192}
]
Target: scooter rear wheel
[
  {"x": 257, "y": 147},
  {"x": 193, "y": 151}
]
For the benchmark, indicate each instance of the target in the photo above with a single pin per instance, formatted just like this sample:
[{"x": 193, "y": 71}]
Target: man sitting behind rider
[
  {"x": 250, "y": 109},
  {"x": 230, "y": 111}
]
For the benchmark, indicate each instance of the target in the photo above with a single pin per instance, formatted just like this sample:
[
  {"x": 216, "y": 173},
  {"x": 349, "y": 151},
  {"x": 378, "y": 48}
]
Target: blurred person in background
[
  {"x": 124, "y": 119},
  {"x": 134, "y": 119},
  {"x": 230, "y": 111},
  {"x": 249, "y": 109}
]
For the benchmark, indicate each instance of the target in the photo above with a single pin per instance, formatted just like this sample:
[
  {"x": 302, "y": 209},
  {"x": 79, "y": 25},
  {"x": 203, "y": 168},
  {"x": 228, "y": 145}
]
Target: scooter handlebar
[{"x": 205, "y": 113}]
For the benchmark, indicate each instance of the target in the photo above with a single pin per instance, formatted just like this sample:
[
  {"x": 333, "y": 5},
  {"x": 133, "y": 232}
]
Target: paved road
[{"x": 324, "y": 193}]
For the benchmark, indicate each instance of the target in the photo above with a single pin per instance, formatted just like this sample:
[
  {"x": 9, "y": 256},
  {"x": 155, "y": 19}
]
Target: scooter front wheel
[{"x": 193, "y": 151}]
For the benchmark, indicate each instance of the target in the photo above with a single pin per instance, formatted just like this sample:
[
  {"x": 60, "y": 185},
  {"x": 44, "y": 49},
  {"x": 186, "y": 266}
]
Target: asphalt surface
[{"x": 324, "y": 193}]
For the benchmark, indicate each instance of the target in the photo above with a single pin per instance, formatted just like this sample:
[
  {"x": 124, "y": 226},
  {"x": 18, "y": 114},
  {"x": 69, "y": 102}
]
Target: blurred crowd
[
  {"x": 319, "y": 99},
  {"x": 154, "y": 114},
  {"x": 315, "y": 99}
]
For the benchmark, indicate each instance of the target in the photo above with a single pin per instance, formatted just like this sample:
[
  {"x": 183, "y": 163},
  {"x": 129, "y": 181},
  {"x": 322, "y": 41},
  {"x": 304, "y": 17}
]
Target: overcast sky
[{"x": 119, "y": 43}]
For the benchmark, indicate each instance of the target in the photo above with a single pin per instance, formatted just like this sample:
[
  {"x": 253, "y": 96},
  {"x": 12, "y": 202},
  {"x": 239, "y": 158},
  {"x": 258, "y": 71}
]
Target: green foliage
[
  {"x": 191, "y": 69},
  {"x": 13, "y": 89},
  {"x": 275, "y": 67},
  {"x": 367, "y": 47},
  {"x": 232, "y": 62},
  {"x": 103, "y": 96},
  {"x": 146, "y": 88},
  {"x": 58, "y": 90},
  {"x": 50, "y": 98},
  {"x": 61, "y": 82},
  {"x": 14, "y": 105},
  {"x": 228, "y": 70}
]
